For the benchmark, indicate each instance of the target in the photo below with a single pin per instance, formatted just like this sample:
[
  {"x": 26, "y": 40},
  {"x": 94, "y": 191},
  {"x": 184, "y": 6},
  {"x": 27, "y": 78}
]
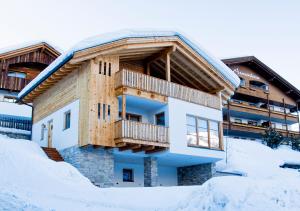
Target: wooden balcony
[
  {"x": 254, "y": 129},
  {"x": 12, "y": 83},
  {"x": 246, "y": 108},
  {"x": 146, "y": 83},
  {"x": 253, "y": 91},
  {"x": 137, "y": 136}
]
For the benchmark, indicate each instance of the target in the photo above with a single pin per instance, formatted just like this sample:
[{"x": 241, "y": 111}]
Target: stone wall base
[
  {"x": 195, "y": 175},
  {"x": 97, "y": 164}
]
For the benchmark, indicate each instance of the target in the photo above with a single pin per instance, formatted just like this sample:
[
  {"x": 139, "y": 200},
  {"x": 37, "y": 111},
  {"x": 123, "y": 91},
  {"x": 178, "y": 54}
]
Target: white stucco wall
[
  {"x": 167, "y": 175},
  {"x": 61, "y": 138},
  {"x": 178, "y": 110}
]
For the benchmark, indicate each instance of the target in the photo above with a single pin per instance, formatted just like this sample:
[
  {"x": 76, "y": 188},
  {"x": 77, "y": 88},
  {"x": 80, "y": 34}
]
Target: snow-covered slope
[{"x": 30, "y": 181}]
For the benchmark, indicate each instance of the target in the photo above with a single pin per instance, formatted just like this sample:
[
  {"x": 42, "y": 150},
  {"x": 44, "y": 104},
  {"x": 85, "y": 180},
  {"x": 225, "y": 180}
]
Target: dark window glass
[
  {"x": 99, "y": 110},
  {"x": 67, "y": 120},
  {"x": 109, "y": 69},
  {"x": 160, "y": 119},
  {"x": 100, "y": 67},
  {"x": 104, "y": 110},
  {"x": 128, "y": 175},
  {"x": 104, "y": 71}
]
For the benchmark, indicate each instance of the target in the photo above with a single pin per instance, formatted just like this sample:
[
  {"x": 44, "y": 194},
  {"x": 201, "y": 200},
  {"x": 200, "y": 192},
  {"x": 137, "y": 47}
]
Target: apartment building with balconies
[
  {"x": 134, "y": 108},
  {"x": 264, "y": 99}
]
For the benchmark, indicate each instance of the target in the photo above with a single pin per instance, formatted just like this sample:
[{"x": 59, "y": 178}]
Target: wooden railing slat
[{"x": 151, "y": 84}]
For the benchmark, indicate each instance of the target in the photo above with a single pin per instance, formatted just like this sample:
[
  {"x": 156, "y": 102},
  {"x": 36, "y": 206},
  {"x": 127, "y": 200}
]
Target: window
[
  {"x": 132, "y": 117},
  {"x": 99, "y": 110},
  {"x": 238, "y": 120},
  {"x": 43, "y": 128},
  {"x": 9, "y": 99},
  {"x": 160, "y": 119},
  {"x": 67, "y": 122},
  {"x": 109, "y": 69},
  {"x": 271, "y": 107},
  {"x": 104, "y": 71},
  {"x": 103, "y": 111},
  {"x": 108, "y": 112},
  {"x": 284, "y": 127},
  {"x": 100, "y": 67},
  {"x": 251, "y": 122},
  {"x": 16, "y": 74},
  {"x": 243, "y": 82},
  {"x": 214, "y": 134},
  {"x": 128, "y": 175},
  {"x": 203, "y": 132}
]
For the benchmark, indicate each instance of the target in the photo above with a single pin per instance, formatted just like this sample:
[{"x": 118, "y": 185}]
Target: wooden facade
[
  {"x": 261, "y": 90},
  {"x": 150, "y": 68},
  {"x": 29, "y": 60}
]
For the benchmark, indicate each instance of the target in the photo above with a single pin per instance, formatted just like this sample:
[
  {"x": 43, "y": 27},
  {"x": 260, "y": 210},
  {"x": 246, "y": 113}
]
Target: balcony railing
[
  {"x": 142, "y": 133},
  {"x": 255, "y": 128},
  {"x": 162, "y": 87},
  {"x": 12, "y": 83}
]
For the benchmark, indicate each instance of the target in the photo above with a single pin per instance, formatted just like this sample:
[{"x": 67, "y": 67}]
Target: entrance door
[{"x": 50, "y": 131}]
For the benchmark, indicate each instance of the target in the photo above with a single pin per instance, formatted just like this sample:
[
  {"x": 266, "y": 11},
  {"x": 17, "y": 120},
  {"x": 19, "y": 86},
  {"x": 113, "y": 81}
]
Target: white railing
[
  {"x": 141, "y": 131},
  {"x": 151, "y": 84}
]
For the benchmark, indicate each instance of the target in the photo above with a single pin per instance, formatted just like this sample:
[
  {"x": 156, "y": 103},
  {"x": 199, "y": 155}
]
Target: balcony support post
[
  {"x": 285, "y": 118},
  {"x": 124, "y": 107},
  {"x": 298, "y": 116},
  {"x": 168, "y": 67}
]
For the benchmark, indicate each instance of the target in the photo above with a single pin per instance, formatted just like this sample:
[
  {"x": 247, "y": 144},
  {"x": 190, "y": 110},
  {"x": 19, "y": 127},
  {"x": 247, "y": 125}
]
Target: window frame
[
  {"x": 65, "y": 120},
  {"x": 158, "y": 115},
  {"x": 131, "y": 173},
  {"x": 208, "y": 123}
]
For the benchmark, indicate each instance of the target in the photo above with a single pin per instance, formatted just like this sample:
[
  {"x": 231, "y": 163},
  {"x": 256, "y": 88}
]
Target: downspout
[{"x": 32, "y": 109}]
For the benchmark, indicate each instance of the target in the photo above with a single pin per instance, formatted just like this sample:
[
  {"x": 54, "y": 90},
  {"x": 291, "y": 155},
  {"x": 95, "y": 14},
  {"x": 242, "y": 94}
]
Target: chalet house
[
  {"x": 18, "y": 66},
  {"x": 263, "y": 99},
  {"x": 134, "y": 108}
]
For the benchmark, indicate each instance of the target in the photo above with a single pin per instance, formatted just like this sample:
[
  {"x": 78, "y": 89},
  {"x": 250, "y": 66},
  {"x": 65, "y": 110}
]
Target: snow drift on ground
[{"x": 30, "y": 181}]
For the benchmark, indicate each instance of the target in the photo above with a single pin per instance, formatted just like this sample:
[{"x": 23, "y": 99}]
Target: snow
[
  {"x": 30, "y": 181},
  {"x": 15, "y": 130},
  {"x": 118, "y": 35},
  {"x": 15, "y": 110}
]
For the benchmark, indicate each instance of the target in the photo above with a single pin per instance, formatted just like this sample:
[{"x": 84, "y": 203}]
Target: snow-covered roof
[
  {"x": 8, "y": 49},
  {"x": 103, "y": 39}
]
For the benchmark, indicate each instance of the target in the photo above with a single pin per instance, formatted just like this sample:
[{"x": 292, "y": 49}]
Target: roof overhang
[{"x": 126, "y": 41}]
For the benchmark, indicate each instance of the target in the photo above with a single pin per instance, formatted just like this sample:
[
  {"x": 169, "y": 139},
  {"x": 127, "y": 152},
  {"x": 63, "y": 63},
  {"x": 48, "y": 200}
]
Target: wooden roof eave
[
  {"x": 28, "y": 49},
  {"x": 116, "y": 47},
  {"x": 50, "y": 81}
]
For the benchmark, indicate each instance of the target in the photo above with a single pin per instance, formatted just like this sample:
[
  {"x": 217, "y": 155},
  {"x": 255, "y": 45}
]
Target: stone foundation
[
  {"x": 150, "y": 172},
  {"x": 195, "y": 175},
  {"x": 97, "y": 164}
]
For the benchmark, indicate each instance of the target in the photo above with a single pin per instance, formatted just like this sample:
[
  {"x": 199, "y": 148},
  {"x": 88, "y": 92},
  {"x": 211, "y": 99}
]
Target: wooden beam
[
  {"x": 143, "y": 148},
  {"x": 130, "y": 146},
  {"x": 168, "y": 67},
  {"x": 158, "y": 149},
  {"x": 160, "y": 55},
  {"x": 124, "y": 107}
]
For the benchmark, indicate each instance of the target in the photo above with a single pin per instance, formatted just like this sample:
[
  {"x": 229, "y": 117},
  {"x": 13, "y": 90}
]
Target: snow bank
[{"x": 30, "y": 181}]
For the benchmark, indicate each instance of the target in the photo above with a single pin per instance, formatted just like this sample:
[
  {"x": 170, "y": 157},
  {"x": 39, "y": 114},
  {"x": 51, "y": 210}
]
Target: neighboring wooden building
[
  {"x": 18, "y": 66},
  {"x": 263, "y": 99},
  {"x": 146, "y": 105}
]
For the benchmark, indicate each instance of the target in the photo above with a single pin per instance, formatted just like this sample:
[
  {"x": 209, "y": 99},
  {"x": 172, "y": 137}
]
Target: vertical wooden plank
[
  {"x": 168, "y": 67},
  {"x": 124, "y": 107},
  {"x": 221, "y": 138}
]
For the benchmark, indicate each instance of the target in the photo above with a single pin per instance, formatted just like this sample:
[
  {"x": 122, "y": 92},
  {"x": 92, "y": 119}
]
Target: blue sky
[{"x": 268, "y": 29}]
